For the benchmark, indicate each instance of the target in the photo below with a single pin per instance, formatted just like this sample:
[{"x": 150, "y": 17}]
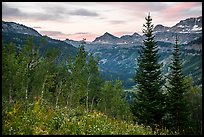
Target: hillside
[
  {"x": 64, "y": 121},
  {"x": 18, "y": 34},
  {"x": 118, "y": 61}
]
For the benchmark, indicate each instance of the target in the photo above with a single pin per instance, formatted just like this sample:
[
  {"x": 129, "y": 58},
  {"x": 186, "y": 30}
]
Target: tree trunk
[
  {"x": 67, "y": 101},
  {"x": 43, "y": 88},
  {"x": 87, "y": 101},
  {"x": 71, "y": 94},
  {"x": 105, "y": 109},
  {"x": 92, "y": 103},
  {"x": 59, "y": 88},
  {"x": 178, "y": 123},
  {"x": 26, "y": 93},
  {"x": 87, "y": 95},
  {"x": 10, "y": 96}
]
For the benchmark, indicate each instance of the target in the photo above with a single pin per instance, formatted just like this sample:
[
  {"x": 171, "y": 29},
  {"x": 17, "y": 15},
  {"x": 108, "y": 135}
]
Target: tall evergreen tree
[
  {"x": 149, "y": 101},
  {"x": 177, "y": 91}
]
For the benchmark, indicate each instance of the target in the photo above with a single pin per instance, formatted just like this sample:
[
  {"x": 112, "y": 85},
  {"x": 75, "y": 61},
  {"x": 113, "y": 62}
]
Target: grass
[{"x": 36, "y": 119}]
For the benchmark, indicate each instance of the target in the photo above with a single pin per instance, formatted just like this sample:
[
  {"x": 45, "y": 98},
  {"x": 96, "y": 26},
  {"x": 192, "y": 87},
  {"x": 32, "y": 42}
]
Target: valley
[
  {"x": 94, "y": 69},
  {"x": 117, "y": 56}
]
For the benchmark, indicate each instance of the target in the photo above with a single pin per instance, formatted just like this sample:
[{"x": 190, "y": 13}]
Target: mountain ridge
[
  {"x": 117, "y": 57},
  {"x": 190, "y": 28}
]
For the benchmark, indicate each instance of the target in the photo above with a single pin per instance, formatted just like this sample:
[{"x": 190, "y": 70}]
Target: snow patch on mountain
[
  {"x": 103, "y": 61},
  {"x": 196, "y": 28}
]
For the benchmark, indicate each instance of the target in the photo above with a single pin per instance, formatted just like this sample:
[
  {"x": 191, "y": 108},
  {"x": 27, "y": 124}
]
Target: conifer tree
[
  {"x": 177, "y": 91},
  {"x": 148, "y": 105}
]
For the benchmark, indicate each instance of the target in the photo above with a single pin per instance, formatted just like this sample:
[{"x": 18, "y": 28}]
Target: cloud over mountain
[{"x": 83, "y": 12}]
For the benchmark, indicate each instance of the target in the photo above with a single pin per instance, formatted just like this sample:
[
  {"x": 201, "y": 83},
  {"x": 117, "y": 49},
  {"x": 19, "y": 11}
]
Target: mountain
[
  {"x": 131, "y": 39},
  {"x": 73, "y": 42},
  {"x": 19, "y": 28},
  {"x": 190, "y": 25},
  {"x": 118, "y": 56},
  {"x": 106, "y": 38},
  {"x": 17, "y": 34},
  {"x": 187, "y": 30},
  {"x": 119, "y": 62},
  {"x": 161, "y": 28}
]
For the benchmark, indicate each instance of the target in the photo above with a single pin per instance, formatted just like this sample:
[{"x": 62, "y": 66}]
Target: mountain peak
[
  {"x": 106, "y": 33},
  {"x": 106, "y": 38},
  {"x": 136, "y": 34}
]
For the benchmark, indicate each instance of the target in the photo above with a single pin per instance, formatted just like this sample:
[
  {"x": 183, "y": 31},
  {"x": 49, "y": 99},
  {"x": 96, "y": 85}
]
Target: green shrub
[{"x": 44, "y": 119}]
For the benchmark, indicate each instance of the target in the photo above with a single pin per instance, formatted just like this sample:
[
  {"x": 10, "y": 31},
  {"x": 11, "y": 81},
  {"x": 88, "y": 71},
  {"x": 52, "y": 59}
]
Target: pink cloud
[
  {"x": 180, "y": 7},
  {"x": 162, "y": 12},
  {"x": 179, "y": 10}
]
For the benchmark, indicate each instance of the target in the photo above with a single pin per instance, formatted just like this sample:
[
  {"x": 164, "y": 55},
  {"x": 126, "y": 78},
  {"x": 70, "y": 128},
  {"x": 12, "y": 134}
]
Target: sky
[{"x": 78, "y": 20}]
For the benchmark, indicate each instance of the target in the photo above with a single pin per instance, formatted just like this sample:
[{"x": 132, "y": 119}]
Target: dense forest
[{"x": 44, "y": 93}]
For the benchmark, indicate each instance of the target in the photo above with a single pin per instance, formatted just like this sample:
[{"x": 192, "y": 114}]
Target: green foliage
[
  {"x": 177, "y": 104},
  {"x": 148, "y": 105},
  {"x": 105, "y": 97},
  {"x": 9, "y": 69},
  {"x": 51, "y": 94},
  {"x": 63, "y": 121},
  {"x": 80, "y": 76},
  {"x": 94, "y": 81},
  {"x": 194, "y": 97},
  {"x": 112, "y": 101},
  {"x": 43, "y": 81}
]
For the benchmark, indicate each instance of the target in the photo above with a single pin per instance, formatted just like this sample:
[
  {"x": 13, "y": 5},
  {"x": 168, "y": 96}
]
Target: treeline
[{"x": 72, "y": 82}]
